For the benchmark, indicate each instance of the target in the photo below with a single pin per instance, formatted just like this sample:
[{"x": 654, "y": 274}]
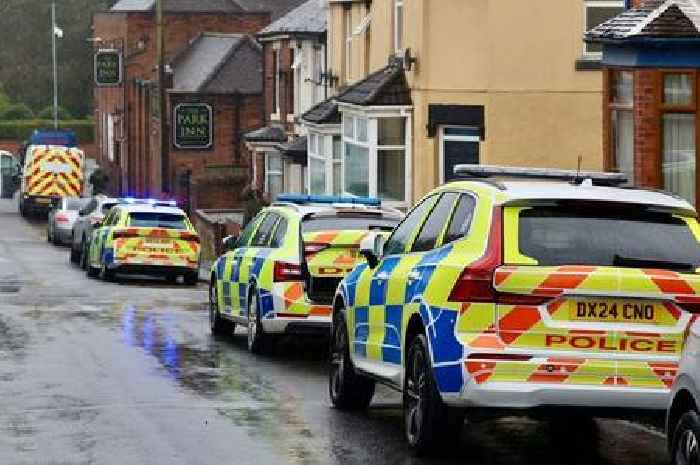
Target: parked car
[
  {"x": 683, "y": 414},
  {"x": 280, "y": 275},
  {"x": 144, "y": 239},
  {"x": 62, "y": 218},
  {"x": 88, "y": 216},
  {"x": 503, "y": 295}
]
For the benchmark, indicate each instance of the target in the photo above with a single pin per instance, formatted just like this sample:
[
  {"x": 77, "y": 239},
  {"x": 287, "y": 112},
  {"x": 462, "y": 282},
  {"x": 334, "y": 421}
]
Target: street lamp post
[{"x": 54, "y": 31}]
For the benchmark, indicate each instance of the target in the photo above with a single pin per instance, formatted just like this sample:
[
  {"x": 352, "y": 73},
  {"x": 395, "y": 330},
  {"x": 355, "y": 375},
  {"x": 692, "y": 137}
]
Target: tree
[
  {"x": 47, "y": 113},
  {"x": 16, "y": 111},
  {"x": 26, "y": 45}
]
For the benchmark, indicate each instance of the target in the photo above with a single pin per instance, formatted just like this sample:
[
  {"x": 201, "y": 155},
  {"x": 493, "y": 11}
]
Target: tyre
[
  {"x": 348, "y": 390},
  {"x": 48, "y": 235},
  {"x": 191, "y": 278},
  {"x": 90, "y": 271},
  {"x": 685, "y": 448},
  {"x": 74, "y": 256},
  {"x": 258, "y": 342},
  {"x": 171, "y": 278},
  {"x": 84, "y": 253},
  {"x": 218, "y": 325},
  {"x": 428, "y": 422},
  {"x": 106, "y": 274}
]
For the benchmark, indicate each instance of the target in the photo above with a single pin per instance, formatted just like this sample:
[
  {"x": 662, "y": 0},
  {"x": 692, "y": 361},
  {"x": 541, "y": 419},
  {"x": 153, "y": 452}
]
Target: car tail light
[
  {"x": 62, "y": 218},
  {"x": 689, "y": 304},
  {"x": 94, "y": 219},
  {"x": 189, "y": 237},
  {"x": 313, "y": 248},
  {"x": 284, "y": 271},
  {"x": 124, "y": 234},
  {"x": 475, "y": 284}
]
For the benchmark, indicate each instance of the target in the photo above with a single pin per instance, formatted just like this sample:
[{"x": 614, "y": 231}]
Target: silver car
[
  {"x": 61, "y": 219},
  {"x": 88, "y": 217}
]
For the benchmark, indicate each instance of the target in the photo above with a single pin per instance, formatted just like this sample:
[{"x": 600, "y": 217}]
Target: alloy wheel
[
  {"x": 688, "y": 448},
  {"x": 338, "y": 359},
  {"x": 252, "y": 322},
  {"x": 213, "y": 306},
  {"x": 415, "y": 392}
]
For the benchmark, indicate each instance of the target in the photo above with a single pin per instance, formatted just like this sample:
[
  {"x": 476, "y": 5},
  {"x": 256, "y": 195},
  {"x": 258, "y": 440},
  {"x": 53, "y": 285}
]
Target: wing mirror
[
  {"x": 230, "y": 242},
  {"x": 372, "y": 248}
]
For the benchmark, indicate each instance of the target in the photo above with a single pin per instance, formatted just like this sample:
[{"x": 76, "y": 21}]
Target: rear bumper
[
  {"x": 151, "y": 270},
  {"x": 299, "y": 326},
  {"x": 35, "y": 202},
  {"x": 63, "y": 235},
  {"x": 531, "y": 395}
]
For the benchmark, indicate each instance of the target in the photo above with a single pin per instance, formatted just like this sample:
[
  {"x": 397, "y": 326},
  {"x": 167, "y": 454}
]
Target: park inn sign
[
  {"x": 193, "y": 128},
  {"x": 108, "y": 68}
]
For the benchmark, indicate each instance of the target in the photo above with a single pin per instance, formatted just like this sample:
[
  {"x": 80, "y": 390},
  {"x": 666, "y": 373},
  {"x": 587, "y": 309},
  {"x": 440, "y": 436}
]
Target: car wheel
[
  {"x": 218, "y": 325},
  {"x": 48, "y": 234},
  {"x": 428, "y": 422},
  {"x": 171, "y": 278},
  {"x": 191, "y": 278},
  {"x": 685, "y": 449},
  {"x": 348, "y": 390},
  {"x": 74, "y": 255},
  {"x": 106, "y": 274},
  {"x": 258, "y": 342},
  {"x": 84, "y": 254}
]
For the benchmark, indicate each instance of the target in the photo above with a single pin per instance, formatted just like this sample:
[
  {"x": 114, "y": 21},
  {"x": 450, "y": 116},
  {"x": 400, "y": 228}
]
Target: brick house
[
  {"x": 221, "y": 73},
  {"x": 127, "y": 129},
  {"x": 651, "y": 59},
  {"x": 294, "y": 68}
]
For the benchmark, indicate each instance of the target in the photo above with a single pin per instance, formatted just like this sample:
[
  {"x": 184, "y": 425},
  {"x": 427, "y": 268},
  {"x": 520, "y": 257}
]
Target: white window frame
[
  {"x": 325, "y": 134},
  {"x": 277, "y": 68},
  {"x": 110, "y": 137},
  {"x": 445, "y": 137},
  {"x": 269, "y": 172},
  {"x": 399, "y": 32},
  {"x": 593, "y": 4},
  {"x": 372, "y": 115},
  {"x": 298, "y": 69}
]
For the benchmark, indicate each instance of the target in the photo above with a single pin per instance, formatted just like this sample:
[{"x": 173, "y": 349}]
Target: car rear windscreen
[
  {"x": 616, "y": 236},
  {"x": 157, "y": 220},
  {"x": 75, "y": 204},
  {"x": 340, "y": 223},
  {"x": 106, "y": 207}
]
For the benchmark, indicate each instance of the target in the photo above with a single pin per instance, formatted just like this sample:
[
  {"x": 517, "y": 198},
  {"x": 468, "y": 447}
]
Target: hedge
[{"x": 22, "y": 129}]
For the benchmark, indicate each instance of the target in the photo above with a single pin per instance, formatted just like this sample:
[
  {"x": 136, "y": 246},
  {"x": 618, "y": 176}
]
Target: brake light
[
  {"x": 689, "y": 304},
  {"x": 189, "y": 237},
  {"x": 284, "y": 272},
  {"x": 94, "y": 219},
  {"x": 61, "y": 218},
  {"x": 313, "y": 248},
  {"x": 124, "y": 234},
  {"x": 475, "y": 284}
]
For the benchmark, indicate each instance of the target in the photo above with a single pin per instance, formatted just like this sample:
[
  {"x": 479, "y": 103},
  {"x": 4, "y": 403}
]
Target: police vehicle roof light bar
[
  {"x": 301, "y": 199},
  {"x": 598, "y": 178}
]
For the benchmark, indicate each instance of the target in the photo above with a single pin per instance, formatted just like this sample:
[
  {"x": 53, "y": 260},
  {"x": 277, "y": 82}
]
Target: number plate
[
  {"x": 157, "y": 245},
  {"x": 615, "y": 311}
]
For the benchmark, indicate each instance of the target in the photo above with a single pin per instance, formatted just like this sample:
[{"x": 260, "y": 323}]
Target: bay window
[
  {"x": 375, "y": 156},
  {"x": 622, "y": 122},
  {"x": 325, "y": 163},
  {"x": 678, "y": 134},
  {"x": 274, "y": 179}
]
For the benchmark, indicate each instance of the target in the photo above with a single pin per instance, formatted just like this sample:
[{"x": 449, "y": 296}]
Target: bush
[
  {"x": 16, "y": 111},
  {"x": 47, "y": 113},
  {"x": 21, "y": 130}
]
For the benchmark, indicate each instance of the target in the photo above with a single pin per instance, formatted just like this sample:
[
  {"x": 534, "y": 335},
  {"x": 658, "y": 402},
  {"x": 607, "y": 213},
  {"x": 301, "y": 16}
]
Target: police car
[
  {"x": 517, "y": 289},
  {"x": 281, "y": 274},
  {"x": 144, "y": 238}
]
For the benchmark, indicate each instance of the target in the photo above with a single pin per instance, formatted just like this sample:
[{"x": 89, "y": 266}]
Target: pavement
[{"x": 128, "y": 373}]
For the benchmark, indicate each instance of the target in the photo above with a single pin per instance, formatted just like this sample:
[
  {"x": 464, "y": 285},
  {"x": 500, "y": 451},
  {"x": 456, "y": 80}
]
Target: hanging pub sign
[
  {"x": 108, "y": 67},
  {"x": 193, "y": 126}
]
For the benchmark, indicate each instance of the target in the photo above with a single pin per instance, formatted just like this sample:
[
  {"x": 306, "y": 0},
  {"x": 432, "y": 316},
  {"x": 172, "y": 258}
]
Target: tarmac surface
[{"x": 128, "y": 373}]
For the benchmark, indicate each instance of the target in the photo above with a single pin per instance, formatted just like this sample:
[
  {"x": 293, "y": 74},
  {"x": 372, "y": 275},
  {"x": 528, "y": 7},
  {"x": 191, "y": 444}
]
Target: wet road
[{"x": 96, "y": 373}]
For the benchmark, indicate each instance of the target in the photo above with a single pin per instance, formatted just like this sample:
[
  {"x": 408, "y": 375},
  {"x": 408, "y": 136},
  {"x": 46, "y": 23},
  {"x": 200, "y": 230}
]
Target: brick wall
[
  {"x": 647, "y": 138},
  {"x": 138, "y": 170},
  {"x": 286, "y": 81}
]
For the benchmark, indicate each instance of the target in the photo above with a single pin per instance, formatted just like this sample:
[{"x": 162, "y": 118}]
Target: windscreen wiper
[{"x": 637, "y": 262}]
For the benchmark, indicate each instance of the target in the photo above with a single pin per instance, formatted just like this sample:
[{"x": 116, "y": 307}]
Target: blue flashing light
[
  {"x": 329, "y": 199},
  {"x": 153, "y": 202}
]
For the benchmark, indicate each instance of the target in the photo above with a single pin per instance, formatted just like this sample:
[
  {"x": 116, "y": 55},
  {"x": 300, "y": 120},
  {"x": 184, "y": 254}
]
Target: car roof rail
[
  {"x": 597, "y": 178},
  {"x": 305, "y": 199}
]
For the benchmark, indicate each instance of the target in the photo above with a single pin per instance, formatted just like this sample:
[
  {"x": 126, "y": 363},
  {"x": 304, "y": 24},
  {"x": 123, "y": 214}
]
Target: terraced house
[{"x": 419, "y": 86}]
